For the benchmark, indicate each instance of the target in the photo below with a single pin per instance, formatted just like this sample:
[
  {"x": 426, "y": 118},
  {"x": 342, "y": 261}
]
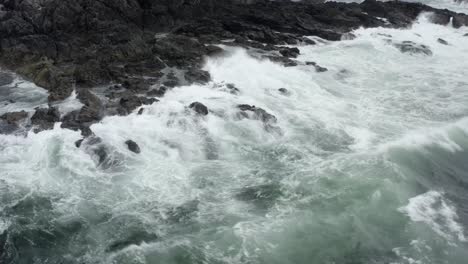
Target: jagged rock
[
  {"x": 289, "y": 52},
  {"x": 79, "y": 142},
  {"x": 57, "y": 80},
  {"x": 413, "y": 48},
  {"x": 157, "y": 92},
  {"x": 14, "y": 117},
  {"x": 179, "y": 51},
  {"x": 10, "y": 122},
  {"x": 286, "y": 62},
  {"x": 256, "y": 113},
  {"x": 133, "y": 146},
  {"x": 45, "y": 118},
  {"x": 460, "y": 20},
  {"x": 197, "y": 76},
  {"x": 92, "y": 112},
  {"x": 61, "y": 45},
  {"x": 82, "y": 119},
  {"x": 128, "y": 103},
  {"x": 171, "y": 80},
  {"x": 442, "y": 41},
  {"x": 136, "y": 84},
  {"x": 140, "y": 112},
  {"x": 199, "y": 108}
]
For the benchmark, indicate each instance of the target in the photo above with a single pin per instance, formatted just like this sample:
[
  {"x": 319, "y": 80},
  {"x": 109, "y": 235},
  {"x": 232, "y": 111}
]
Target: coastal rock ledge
[{"x": 134, "y": 47}]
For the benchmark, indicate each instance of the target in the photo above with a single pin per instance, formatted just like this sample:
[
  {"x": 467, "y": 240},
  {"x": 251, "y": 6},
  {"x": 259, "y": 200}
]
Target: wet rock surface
[
  {"x": 10, "y": 122},
  {"x": 251, "y": 111},
  {"x": 133, "y": 146},
  {"x": 289, "y": 52},
  {"x": 284, "y": 91},
  {"x": 413, "y": 48},
  {"x": 45, "y": 119},
  {"x": 76, "y": 45},
  {"x": 442, "y": 41},
  {"x": 317, "y": 67},
  {"x": 199, "y": 108}
]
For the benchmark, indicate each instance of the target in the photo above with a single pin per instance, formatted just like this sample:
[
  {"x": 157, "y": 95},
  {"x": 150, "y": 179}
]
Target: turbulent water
[
  {"x": 368, "y": 164},
  {"x": 460, "y": 6}
]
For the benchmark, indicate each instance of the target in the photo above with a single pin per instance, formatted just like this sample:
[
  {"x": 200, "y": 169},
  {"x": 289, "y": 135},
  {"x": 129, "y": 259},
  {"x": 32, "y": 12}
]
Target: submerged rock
[
  {"x": 262, "y": 196},
  {"x": 134, "y": 238},
  {"x": 199, "y": 108},
  {"x": 413, "y": 48},
  {"x": 256, "y": 113},
  {"x": 232, "y": 88},
  {"x": 184, "y": 212},
  {"x": 284, "y": 91},
  {"x": 14, "y": 117},
  {"x": 442, "y": 41},
  {"x": 133, "y": 146},
  {"x": 286, "y": 62},
  {"x": 317, "y": 67}
]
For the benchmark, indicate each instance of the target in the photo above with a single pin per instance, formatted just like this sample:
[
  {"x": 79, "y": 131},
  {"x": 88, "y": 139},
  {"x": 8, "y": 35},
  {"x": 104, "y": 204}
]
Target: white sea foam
[
  {"x": 435, "y": 211},
  {"x": 459, "y": 6},
  {"x": 324, "y": 157}
]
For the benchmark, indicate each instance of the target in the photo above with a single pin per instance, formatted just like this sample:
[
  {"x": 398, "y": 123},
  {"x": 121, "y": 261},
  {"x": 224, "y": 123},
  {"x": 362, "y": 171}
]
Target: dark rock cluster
[{"x": 142, "y": 48}]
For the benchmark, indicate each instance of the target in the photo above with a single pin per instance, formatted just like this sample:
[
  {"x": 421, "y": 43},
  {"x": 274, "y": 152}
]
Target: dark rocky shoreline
[{"x": 138, "y": 49}]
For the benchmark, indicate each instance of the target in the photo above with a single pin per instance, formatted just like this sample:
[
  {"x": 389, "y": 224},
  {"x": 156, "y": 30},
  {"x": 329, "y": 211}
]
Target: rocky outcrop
[
  {"x": 199, "y": 108},
  {"x": 45, "y": 118},
  {"x": 145, "y": 47},
  {"x": 10, "y": 122}
]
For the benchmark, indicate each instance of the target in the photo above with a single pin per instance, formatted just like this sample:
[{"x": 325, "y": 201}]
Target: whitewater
[{"x": 368, "y": 163}]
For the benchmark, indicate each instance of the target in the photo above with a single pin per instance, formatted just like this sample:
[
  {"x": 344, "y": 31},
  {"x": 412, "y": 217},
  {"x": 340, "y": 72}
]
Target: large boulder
[{"x": 45, "y": 119}]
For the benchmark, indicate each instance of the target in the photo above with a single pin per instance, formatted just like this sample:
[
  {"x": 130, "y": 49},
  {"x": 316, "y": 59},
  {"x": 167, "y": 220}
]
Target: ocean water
[{"x": 367, "y": 163}]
